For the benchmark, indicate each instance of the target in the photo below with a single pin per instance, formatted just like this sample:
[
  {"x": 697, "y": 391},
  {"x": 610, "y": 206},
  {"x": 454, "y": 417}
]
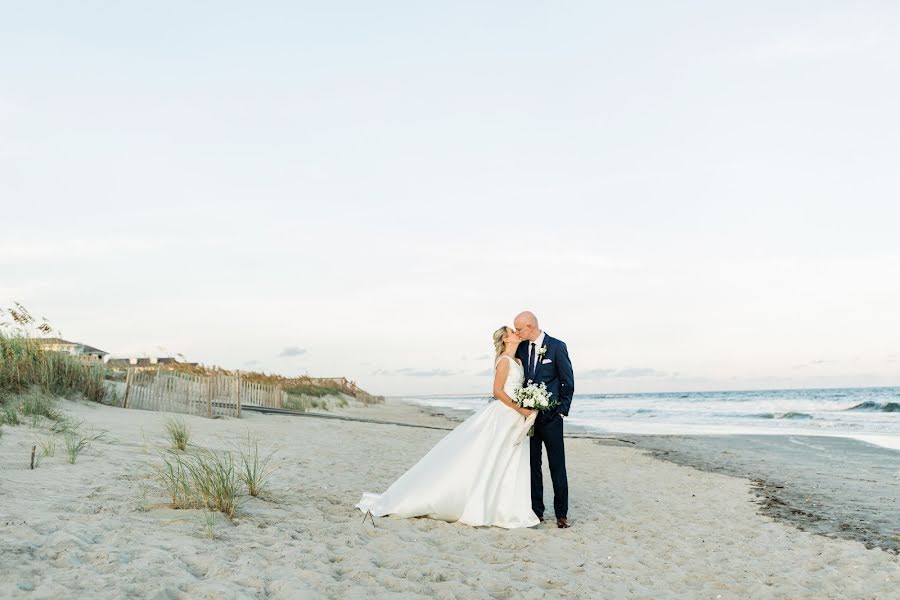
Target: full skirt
[{"x": 479, "y": 475}]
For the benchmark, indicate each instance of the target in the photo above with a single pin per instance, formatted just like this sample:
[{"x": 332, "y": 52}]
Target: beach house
[{"x": 73, "y": 348}]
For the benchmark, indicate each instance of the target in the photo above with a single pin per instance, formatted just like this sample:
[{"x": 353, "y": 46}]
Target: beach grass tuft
[
  {"x": 174, "y": 475},
  {"x": 216, "y": 481},
  {"x": 65, "y": 424},
  {"x": 9, "y": 415},
  {"x": 204, "y": 479},
  {"x": 316, "y": 390},
  {"x": 24, "y": 363},
  {"x": 179, "y": 432},
  {"x": 77, "y": 442},
  {"x": 304, "y": 403},
  {"x": 255, "y": 469},
  {"x": 37, "y": 403},
  {"x": 208, "y": 521},
  {"x": 47, "y": 445}
]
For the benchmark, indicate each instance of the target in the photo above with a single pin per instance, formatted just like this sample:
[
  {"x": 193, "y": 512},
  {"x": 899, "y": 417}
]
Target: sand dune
[{"x": 641, "y": 527}]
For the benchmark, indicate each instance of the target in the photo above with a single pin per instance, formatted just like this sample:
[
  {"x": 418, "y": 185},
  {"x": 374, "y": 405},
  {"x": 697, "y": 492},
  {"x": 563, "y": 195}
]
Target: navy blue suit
[{"x": 555, "y": 370}]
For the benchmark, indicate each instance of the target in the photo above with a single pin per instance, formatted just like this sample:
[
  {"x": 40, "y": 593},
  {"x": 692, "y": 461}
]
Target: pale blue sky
[{"x": 694, "y": 195}]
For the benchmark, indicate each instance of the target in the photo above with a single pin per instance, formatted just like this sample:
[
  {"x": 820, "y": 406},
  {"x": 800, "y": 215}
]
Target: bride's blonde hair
[{"x": 499, "y": 344}]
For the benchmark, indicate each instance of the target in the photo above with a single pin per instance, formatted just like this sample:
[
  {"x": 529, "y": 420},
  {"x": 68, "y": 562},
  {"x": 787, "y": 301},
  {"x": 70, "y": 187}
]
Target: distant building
[
  {"x": 73, "y": 348},
  {"x": 152, "y": 362}
]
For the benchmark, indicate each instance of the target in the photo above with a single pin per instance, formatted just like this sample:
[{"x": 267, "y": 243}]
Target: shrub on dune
[{"x": 24, "y": 363}]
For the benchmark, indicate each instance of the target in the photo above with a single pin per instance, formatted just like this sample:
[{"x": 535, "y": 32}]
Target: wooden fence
[{"x": 205, "y": 395}]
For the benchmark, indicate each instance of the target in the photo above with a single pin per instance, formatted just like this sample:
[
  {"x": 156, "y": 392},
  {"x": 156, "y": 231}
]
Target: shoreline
[
  {"x": 854, "y": 493},
  {"x": 863, "y": 414},
  {"x": 641, "y": 527}
]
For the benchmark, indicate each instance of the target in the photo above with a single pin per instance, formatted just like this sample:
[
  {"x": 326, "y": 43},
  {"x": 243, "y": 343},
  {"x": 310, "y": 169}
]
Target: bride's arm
[{"x": 500, "y": 374}]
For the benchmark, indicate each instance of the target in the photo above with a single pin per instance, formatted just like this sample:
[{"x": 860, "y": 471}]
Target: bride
[{"x": 480, "y": 473}]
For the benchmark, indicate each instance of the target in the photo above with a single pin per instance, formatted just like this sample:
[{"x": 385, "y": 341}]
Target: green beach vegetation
[
  {"x": 31, "y": 378},
  {"x": 26, "y": 366}
]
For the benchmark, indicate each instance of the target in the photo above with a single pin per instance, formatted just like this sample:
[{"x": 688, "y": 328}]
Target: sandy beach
[{"x": 642, "y": 527}]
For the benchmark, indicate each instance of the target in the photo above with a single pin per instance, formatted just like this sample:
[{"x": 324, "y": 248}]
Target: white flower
[
  {"x": 542, "y": 351},
  {"x": 534, "y": 396}
]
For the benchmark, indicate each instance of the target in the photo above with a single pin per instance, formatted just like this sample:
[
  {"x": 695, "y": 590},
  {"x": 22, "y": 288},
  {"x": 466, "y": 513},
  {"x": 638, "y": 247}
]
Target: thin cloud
[
  {"x": 410, "y": 372},
  {"x": 626, "y": 373},
  {"x": 293, "y": 351},
  {"x": 479, "y": 357}
]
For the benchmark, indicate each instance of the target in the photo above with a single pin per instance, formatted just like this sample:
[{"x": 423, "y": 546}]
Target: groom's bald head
[{"x": 526, "y": 325}]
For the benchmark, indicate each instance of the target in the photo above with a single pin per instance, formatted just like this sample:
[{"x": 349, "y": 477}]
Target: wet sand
[{"x": 837, "y": 487}]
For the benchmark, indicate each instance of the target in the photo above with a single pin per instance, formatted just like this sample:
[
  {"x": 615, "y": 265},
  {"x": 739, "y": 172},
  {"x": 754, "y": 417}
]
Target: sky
[{"x": 699, "y": 195}]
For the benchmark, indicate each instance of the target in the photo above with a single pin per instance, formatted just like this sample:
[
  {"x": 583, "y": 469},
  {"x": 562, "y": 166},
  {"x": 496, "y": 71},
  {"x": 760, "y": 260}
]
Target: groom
[{"x": 546, "y": 360}]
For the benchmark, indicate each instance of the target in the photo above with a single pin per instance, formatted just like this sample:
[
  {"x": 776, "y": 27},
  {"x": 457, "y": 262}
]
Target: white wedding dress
[{"x": 479, "y": 474}]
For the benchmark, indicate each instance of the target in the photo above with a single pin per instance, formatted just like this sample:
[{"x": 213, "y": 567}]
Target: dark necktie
[{"x": 531, "y": 359}]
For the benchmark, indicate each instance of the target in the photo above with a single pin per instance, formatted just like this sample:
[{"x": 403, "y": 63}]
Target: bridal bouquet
[{"x": 536, "y": 397}]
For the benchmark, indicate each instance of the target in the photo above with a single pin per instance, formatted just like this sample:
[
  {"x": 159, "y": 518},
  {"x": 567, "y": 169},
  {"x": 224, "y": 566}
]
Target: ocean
[{"x": 868, "y": 414}]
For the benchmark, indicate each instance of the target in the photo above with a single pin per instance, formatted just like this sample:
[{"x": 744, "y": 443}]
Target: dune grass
[
  {"x": 37, "y": 403},
  {"x": 175, "y": 478},
  {"x": 204, "y": 479},
  {"x": 65, "y": 424},
  {"x": 316, "y": 390},
  {"x": 304, "y": 403},
  {"x": 9, "y": 415},
  {"x": 77, "y": 442},
  {"x": 179, "y": 432},
  {"x": 25, "y": 364},
  {"x": 255, "y": 469},
  {"x": 47, "y": 445},
  {"x": 208, "y": 521},
  {"x": 216, "y": 481},
  {"x": 305, "y": 395}
]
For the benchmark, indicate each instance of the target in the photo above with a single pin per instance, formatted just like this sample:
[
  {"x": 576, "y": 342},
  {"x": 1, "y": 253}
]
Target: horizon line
[{"x": 787, "y": 389}]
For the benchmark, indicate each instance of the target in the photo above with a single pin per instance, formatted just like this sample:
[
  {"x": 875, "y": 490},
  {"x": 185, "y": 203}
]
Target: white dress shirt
[{"x": 538, "y": 343}]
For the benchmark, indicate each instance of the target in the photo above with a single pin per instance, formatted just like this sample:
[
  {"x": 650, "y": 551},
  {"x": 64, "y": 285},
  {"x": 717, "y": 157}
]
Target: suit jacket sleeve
[{"x": 566, "y": 378}]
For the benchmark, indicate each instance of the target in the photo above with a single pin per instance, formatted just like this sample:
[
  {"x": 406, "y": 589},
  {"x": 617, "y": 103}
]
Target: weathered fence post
[
  {"x": 209, "y": 395},
  {"x": 128, "y": 378},
  {"x": 237, "y": 396}
]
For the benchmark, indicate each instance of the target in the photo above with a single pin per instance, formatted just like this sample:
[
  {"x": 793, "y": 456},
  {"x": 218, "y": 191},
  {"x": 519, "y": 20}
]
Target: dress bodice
[{"x": 514, "y": 378}]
